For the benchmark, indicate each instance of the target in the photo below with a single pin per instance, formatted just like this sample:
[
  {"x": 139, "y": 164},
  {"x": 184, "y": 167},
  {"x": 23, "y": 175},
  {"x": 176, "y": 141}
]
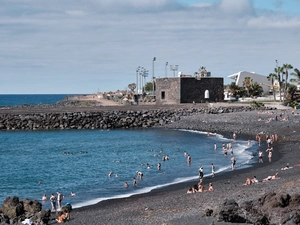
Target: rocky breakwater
[
  {"x": 14, "y": 211},
  {"x": 107, "y": 119}
]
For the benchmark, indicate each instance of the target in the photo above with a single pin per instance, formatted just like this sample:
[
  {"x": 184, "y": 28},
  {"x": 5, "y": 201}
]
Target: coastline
[{"x": 171, "y": 204}]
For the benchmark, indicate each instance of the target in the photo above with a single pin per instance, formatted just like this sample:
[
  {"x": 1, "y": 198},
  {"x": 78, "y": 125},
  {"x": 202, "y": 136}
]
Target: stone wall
[
  {"x": 87, "y": 120},
  {"x": 171, "y": 89},
  {"x": 193, "y": 90},
  {"x": 188, "y": 90},
  {"x": 105, "y": 120}
]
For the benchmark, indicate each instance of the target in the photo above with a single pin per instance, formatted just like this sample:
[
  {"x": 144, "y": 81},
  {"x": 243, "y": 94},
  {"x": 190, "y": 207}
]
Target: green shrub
[{"x": 256, "y": 104}]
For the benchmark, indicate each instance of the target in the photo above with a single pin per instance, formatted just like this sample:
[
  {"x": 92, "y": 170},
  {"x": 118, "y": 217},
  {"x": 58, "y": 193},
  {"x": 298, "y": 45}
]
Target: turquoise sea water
[
  {"x": 21, "y": 99},
  {"x": 34, "y": 163}
]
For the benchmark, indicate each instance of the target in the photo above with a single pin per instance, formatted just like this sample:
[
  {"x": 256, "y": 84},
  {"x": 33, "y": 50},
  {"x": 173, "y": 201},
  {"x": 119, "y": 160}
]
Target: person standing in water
[
  {"x": 53, "y": 202},
  {"x": 59, "y": 199},
  {"x": 233, "y": 162},
  {"x": 201, "y": 173},
  {"x": 212, "y": 170},
  {"x": 260, "y": 157}
]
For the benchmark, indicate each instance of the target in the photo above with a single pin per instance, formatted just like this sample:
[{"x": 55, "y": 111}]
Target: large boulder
[
  {"x": 229, "y": 212},
  {"x": 42, "y": 217},
  {"x": 31, "y": 205},
  {"x": 4, "y": 218},
  {"x": 14, "y": 211},
  {"x": 12, "y": 207}
]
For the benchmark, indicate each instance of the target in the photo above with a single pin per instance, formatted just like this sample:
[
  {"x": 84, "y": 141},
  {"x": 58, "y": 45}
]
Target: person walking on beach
[
  {"x": 270, "y": 150},
  {"x": 233, "y": 162},
  {"x": 59, "y": 199},
  {"x": 269, "y": 141},
  {"x": 53, "y": 202}
]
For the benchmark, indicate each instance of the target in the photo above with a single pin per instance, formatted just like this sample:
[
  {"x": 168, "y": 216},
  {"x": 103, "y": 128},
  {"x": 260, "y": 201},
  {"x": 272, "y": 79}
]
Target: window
[{"x": 163, "y": 95}]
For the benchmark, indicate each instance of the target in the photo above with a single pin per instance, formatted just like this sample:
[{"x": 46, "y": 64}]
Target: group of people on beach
[
  {"x": 63, "y": 213},
  {"x": 254, "y": 180},
  {"x": 270, "y": 139},
  {"x": 199, "y": 187},
  {"x": 56, "y": 200}
]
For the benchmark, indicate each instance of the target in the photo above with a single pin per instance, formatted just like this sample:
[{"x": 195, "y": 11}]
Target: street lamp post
[
  {"x": 145, "y": 75},
  {"x": 153, "y": 74},
  {"x": 166, "y": 72},
  {"x": 141, "y": 79},
  {"x": 137, "y": 79},
  {"x": 174, "y": 68}
]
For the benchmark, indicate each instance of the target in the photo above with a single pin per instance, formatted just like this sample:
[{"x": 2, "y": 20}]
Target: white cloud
[
  {"x": 80, "y": 46},
  {"x": 236, "y": 8}
]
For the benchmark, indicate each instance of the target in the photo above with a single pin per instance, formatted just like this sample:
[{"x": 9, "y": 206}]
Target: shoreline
[
  {"x": 180, "y": 180},
  {"x": 171, "y": 204}
]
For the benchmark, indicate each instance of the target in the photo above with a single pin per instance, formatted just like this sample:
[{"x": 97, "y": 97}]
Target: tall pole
[
  {"x": 145, "y": 75},
  {"x": 141, "y": 80},
  {"x": 153, "y": 75},
  {"x": 279, "y": 79},
  {"x": 137, "y": 80},
  {"x": 166, "y": 72}
]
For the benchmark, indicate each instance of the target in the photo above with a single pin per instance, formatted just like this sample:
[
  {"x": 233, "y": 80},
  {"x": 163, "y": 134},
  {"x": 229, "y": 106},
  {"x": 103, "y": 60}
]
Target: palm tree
[
  {"x": 247, "y": 84},
  {"x": 286, "y": 67},
  {"x": 296, "y": 73},
  {"x": 292, "y": 90},
  {"x": 271, "y": 77},
  {"x": 279, "y": 70},
  {"x": 256, "y": 89},
  {"x": 235, "y": 89},
  {"x": 202, "y": 71}
]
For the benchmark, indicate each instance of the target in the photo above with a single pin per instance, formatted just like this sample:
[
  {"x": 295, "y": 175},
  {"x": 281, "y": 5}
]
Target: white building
[{"x": 260, "y": 79}]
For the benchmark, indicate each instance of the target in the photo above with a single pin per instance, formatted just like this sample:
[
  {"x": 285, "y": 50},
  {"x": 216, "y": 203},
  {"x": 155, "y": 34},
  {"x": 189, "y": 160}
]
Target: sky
[{"x": 90, "y": 46}]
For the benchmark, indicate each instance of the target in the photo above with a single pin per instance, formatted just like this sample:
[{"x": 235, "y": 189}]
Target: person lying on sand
[
  {"x": 248, "y": 181},
  {"x": 254, "y": 180},
  {"x": 286, "y": 167},
  {"x": 190, "y": 191},
  {"x": 274, "y": 177}
]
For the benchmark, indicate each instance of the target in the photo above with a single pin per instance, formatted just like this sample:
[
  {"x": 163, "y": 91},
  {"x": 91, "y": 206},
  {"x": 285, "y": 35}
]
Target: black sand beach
[{"x": 172, "y": 205}]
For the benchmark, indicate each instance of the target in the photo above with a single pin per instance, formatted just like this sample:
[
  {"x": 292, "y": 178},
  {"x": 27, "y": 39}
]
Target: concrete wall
[
  {"x": 188, "y": 90},
  {"x": 170, "y": 87}
]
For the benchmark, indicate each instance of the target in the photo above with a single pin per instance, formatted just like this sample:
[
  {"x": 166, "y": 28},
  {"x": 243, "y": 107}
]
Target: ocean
[
  {"x": 35, "y": 163},
  {"x": 22, "y": 99}
]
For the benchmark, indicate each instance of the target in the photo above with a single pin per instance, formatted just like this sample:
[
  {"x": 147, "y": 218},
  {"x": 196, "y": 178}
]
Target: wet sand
[{"x": 172, "y": 205}]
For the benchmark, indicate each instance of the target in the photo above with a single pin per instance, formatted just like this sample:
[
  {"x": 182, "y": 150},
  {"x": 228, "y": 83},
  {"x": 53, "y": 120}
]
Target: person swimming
[{"x": 44, "y": 198}]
